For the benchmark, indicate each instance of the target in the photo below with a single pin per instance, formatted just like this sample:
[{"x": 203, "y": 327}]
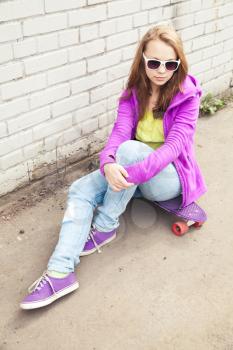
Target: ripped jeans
[{"x": 92, "y": 191}]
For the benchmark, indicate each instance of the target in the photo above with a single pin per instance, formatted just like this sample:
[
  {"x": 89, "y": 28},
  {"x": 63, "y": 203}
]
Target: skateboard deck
[{"x": 192, "y": 214}]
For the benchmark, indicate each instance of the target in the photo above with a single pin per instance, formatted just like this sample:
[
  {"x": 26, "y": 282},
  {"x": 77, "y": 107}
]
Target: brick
[
  {"x": 154, "y": 15},
  {"x": 225, "y": 10},
  {"x": 119, "y": 71},
  {"x": 33, "y": 150},
  {"x": 150, "y": 4},
  {"x": 23, "y": 48},
  {"x": 205, "y": 15},
  {"x": 86, "y": 50},
  {"x": 212, "y": 51},
  {"x": 183, "y": 21},
  {"x": 94, "y": 2},
  {"x": 228, "y": 45},
  {"x": 122, "y": 39},
  {"x": 23, "y": 86},
  {"x": 70, "y": 104},
  {"x": 13, "y": 177},
  {"x": 50, "y": 95},
  {"x": 192, "y": 32},
  {"x": 169, "y": 12},
  {"x": 107, "y": 27},
  {"x": 201, "y": 66},
  {"x": 66, "y": 73},
  {"x": 220, "y": 84},
  {"x": 124, "y": 7},
  {"x": 203, "y": 41},
  {"x": 223, "y": 35},
  {"x": 102, "y": 120},
  {"x": 106, "y": 91},
  {"x": 53, "y": 141},
  {"x": 227, "y": 67},
  {"x": 188, "y": 7},
  {"x": 6, "y": 53},
  {"x": 28, "y": 120},
  {"x": 11, "y": 71},
  {"x": 45, "y": 61},
  {"x": 195, "y": 57},
  {"x": 139, "y": 19},
  {"x": 89, "y": 32},
  {"x": 14, "y": 142},
  {"x": 112, "y": 104},
  {"x": 71, "y": 134},
  {"x": 88, "y": 82},
  {"x": 123, "y": 24},
  {"x": 44, "y": 24},
  {"x": 54, "y": 5},
  {"x": 207, "y": 4},
  {"x": 217, "y": 72},
  {"x": 187, "y": 46},
  {"x": 20, "y": 8},
  {"x": 143, "y": 30},
  {"x": 69, "y": 37},
  {"x": 89, "y": 126},
  {"x": 109, "y": 59},
  {"x": 220, "y": 59},
  {"x": 3, "y": 129},
  {"x": 52, "y": 127},
  {"x": 213, "y": 26},
  {"x": 47, "y": 42},
  {"x": 92, "y": 110},
  {"x": 16, "y": 106},
  {"x": 10, "y": 31},
  {"x": 87, "y": 15},
  {"x": 129, "y": 52},
  {"x": 11, "y": 159}
]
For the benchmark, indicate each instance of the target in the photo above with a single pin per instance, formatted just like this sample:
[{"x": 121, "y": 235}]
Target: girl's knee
[
  {"x": 131, "y": 151},
  {"x": 127, "y": 151}
]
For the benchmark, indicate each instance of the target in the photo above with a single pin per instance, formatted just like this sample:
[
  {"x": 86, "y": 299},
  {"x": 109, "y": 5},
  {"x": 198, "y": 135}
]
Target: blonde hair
[{"x": 139, "y": 80}]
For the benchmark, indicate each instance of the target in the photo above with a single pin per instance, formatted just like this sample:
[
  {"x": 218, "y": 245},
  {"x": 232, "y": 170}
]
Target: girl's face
[{"x": 160, "y": 50}]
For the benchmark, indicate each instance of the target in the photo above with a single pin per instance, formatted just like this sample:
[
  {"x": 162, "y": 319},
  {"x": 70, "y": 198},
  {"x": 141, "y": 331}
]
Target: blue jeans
[{"x": 92, "y": 191}]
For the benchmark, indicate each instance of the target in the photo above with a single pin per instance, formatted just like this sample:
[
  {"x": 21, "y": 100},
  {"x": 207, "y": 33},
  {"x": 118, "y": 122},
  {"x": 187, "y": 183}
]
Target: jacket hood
[{"x": 191, "y": 87}]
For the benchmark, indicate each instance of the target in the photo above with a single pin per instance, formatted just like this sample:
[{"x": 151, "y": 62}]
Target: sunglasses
[{"x": 170, "y": 65}]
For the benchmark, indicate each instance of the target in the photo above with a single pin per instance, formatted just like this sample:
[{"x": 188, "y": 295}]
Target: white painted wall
[{"x": 63, "y": 65}]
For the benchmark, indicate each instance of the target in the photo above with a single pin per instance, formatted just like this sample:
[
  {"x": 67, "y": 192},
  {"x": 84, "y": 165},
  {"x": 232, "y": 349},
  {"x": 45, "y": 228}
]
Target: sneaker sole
[
  {"x": 45, "y": 302},
  {"x": 101, "y": 245}
]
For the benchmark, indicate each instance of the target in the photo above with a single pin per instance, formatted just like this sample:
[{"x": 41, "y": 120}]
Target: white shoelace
[
  {"x": 40, "y": 282},
  {"x": 91, "y": 236}
]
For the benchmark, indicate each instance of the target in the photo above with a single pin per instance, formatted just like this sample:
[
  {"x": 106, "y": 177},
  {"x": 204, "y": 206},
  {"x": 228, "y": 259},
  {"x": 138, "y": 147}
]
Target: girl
[{"x": 150, "y": 154}]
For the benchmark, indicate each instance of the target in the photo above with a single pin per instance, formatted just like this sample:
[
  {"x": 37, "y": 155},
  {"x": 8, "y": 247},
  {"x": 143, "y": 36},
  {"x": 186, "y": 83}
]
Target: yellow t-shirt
[{"x": 150, "y": 130}]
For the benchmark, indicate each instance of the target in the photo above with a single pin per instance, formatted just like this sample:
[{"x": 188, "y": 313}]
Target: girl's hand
[{"x": 115, "y": 175}]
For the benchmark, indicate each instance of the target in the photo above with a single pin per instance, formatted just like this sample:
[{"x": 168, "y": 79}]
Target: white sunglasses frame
[{"x": 161, "y": 62}]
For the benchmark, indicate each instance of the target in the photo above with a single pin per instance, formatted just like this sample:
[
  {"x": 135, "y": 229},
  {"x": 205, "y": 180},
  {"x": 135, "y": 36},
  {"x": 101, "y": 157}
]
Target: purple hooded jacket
[{"x": 179, "y": 123}]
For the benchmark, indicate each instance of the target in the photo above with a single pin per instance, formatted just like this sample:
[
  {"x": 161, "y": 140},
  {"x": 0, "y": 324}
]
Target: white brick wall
[{"x": 63, "y": 65}]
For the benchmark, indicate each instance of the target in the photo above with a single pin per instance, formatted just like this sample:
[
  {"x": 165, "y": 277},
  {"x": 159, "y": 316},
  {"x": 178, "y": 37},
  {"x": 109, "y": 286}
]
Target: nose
[{"x": 162, "y": 68}]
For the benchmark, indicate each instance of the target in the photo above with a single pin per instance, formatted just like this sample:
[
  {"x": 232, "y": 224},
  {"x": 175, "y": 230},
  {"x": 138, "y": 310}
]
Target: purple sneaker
[
  {"x": 97, "y": 239},
  {"x": 47, "y": 289}
]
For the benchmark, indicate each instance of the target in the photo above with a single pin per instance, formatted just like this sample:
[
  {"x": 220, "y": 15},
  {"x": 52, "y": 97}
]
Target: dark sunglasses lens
[
  {"x": 153, "y": 64},
  {"x": 171, "y": 65}
]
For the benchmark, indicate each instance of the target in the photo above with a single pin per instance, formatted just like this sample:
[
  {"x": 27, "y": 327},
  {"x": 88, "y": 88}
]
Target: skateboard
[{"x": 193, "y": 216}]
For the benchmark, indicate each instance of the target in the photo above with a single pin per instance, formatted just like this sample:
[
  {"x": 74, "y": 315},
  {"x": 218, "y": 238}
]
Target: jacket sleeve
[
  {"x": 122, "y": 131},
  {"x": 183, "y": 129}
]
